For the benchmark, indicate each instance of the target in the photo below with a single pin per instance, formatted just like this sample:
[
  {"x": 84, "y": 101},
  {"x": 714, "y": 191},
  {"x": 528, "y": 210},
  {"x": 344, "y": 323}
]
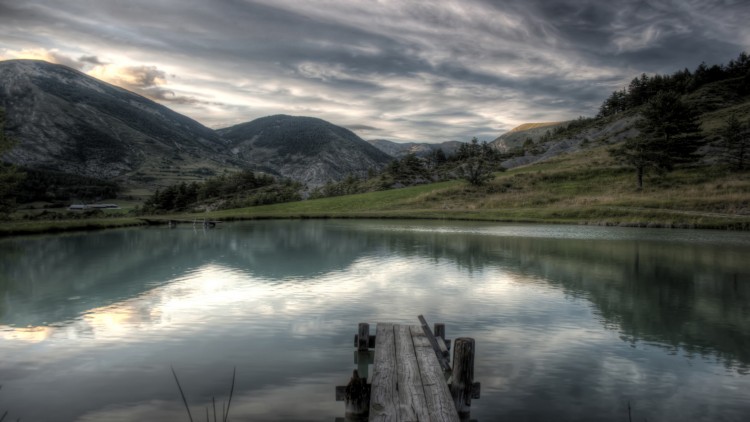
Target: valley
[{"x": 554, "y": 172}]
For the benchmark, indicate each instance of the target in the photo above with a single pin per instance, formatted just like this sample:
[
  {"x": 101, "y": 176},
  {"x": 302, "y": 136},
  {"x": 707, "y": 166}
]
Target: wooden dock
[{"x": 412, "y": 379}]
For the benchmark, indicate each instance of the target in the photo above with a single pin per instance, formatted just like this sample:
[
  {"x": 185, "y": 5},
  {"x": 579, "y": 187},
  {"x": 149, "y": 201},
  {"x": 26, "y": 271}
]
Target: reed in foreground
[{"x": 224, "y": 407}]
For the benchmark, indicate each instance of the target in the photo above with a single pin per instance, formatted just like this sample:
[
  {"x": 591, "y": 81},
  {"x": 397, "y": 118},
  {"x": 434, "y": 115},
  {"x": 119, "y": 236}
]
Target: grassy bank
[
  {"x": 20, "y": 227},
  {"x": 583, "y": 188},
  {"x": 579, "y": 188}
]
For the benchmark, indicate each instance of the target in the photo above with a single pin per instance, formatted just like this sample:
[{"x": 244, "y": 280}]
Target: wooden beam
[
  {"x": 443, "y": 347},
  {"x": 437, "y": 396},
  {"x": 439, "y": 329},
  {"x": 370, "y": 344},
  {"x": 411, "y": 395},
  {"x": 384, "y": 392},
  {"x": 442, "y": 360}
]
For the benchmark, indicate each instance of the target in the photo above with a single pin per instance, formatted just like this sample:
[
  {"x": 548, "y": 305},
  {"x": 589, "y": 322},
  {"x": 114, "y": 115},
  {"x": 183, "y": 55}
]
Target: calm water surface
[{"x": 571, "y": 323}]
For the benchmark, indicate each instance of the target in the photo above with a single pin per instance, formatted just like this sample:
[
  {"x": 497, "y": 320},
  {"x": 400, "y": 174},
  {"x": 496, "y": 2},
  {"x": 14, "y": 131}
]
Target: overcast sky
[{"x": 402, "y": 70}]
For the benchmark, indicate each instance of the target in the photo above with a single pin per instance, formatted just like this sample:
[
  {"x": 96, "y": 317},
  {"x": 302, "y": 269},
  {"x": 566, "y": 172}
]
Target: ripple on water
[{"x": 571, "y": 323}]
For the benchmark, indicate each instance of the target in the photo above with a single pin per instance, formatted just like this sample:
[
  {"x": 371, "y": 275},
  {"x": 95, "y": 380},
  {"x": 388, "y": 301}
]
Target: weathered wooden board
[
  {"x": 412, "y": 404},
  {"x": 437, "y": 395},
  {"x": 384, "y": 393},
  {"x": 440, "y": 357},
  {"x": 407, "y": 380}
]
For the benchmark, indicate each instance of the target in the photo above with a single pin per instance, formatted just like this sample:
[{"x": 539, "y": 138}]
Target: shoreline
[{"x": 672, "y": 220}]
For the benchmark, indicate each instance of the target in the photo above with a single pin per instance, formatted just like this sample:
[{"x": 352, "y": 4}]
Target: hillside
[
  {"x": 716, "y": 93},
  {"x": 587, "y": 187},
  {"x": 68, "y": 122},
  {"x": 420, "y": 149},
  {"x": 564, "y": 176},
  {"x": 515, "y": 137},
  {"x": 305, "y": 149},
  {"x": 579, "y": 188}
]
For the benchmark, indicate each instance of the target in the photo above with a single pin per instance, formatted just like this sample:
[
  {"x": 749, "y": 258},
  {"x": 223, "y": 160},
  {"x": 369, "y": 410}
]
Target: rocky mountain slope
[
  {"x": 69, "y": 122},
  {"x": 66, "y": 121},
  {"x": 606, "y": 131},
  {"x": 515, "y": 137},
  {"x": 420, "y": 149},
  {"x": 306, "y": 149}
]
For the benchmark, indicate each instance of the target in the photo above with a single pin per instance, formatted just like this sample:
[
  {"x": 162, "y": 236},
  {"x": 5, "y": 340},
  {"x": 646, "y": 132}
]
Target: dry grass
[{"x": 582, "y": 188}]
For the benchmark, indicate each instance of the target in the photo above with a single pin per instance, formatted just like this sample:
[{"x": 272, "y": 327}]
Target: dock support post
[
  {"x": 462, "y": 387},
  {"x": 357, "y": 398},
  {"x": 440, "y": 330},
  {"x": 363, "y": 359},
  {"x": 363, "y": 337}
]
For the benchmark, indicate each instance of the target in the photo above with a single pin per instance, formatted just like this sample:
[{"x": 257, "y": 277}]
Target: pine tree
[
  {"x": 670, "y": 135},
  {"x": 735, "y": 142}
]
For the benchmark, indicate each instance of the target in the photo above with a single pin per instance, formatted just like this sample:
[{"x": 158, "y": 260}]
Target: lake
[{"x": 572, "y": 323}]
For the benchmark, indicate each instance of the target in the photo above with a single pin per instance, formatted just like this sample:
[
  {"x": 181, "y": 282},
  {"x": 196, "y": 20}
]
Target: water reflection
[{"x": 281, "y": 299}]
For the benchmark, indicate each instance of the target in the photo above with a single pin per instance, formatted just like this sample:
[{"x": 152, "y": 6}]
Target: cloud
[
  {"x": 143, "y": 76},
  {"x": 148, "y": 81},
  {"x": 439, "y": 71},
  {"x": 360, "y": 127},
  {"x": 91, "y": 60},
  {"x": 52, "y": 56}
]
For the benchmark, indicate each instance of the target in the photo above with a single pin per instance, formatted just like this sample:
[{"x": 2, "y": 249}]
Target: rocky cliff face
[
  {"x": 66, "y": 121},
  {"x": 306, "y": 149}
]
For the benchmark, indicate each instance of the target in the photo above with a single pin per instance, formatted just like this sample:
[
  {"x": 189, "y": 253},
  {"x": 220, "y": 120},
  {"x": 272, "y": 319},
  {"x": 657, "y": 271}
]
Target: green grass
[
  {"x": 583, "y": 188},
  {"x": 19, "y": 227}
]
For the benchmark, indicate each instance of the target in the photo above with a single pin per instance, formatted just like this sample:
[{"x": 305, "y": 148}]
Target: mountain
[
  {"x": 519, "y": 134},
  {"x": 420, "y": 149},
  {"x": 66, "y": 121},
  {"x": 306, "y": 149}
]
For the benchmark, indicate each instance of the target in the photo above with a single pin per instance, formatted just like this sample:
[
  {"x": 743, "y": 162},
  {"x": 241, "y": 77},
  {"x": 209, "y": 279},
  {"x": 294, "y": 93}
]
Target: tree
[
  {"x": 669, "y": 135},
  {"x": 735, "y": 142},
  {"x": 9, "y": 175},
  {"x": 477, "y": 165},
  {"x": 439, "y": 157}
]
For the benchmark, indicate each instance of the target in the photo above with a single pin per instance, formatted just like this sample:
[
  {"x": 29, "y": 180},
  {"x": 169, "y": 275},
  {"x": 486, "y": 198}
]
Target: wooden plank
[
  {"x": 412, "y": 404},
  {"x": 442, "y": 360},
  {"x": 384, "y": 393},
  {"x": 443, "y": 347},
  {"x": 439, "y": 401}
]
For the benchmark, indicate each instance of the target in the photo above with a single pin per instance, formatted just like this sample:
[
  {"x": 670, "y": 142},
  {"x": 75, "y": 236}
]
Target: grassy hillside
[
  {"x": 582, "y": 188},
  {"x": 581, "y": 185},
  {"x": 528, "y": 126}
]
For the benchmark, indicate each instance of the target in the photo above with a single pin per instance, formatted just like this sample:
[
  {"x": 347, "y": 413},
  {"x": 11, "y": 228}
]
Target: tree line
[
  {"x": 474, "y": 161},
  {"x": 232, "y": 190},
  {"x": 644, "y": 87},
  {"x": 669, "y": 128}
]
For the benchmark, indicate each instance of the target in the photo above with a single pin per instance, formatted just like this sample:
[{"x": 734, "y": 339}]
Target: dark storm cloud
[{"x": 435, "y": 70}]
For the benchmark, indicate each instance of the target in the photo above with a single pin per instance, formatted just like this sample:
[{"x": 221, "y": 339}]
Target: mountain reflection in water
[{"x": 579, "y": 319}]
